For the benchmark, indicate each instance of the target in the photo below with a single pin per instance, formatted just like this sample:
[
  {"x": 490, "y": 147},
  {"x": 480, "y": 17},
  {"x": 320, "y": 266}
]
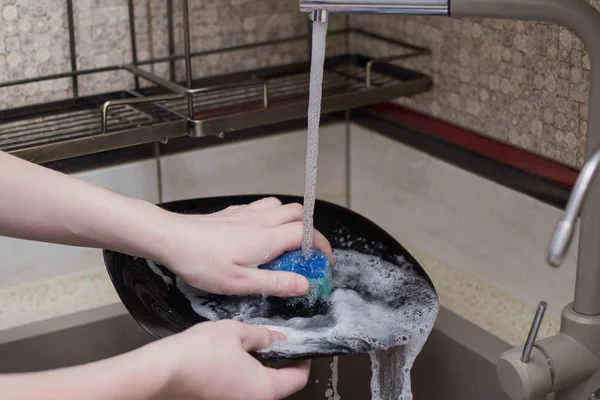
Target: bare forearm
[
  {"x": 127, "y": 377},
  {"x": 40, "y": 204}
]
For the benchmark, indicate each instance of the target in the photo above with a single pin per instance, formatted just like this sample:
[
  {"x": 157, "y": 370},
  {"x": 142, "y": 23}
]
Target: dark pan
[{"x": 162, "y": 310}]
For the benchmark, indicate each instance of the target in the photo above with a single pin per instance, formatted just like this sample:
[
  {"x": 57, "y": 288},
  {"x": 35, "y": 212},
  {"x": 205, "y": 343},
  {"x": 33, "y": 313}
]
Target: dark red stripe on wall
[
  {"x": 447, "y": 148},
  {"x": 494, "y": 149}
]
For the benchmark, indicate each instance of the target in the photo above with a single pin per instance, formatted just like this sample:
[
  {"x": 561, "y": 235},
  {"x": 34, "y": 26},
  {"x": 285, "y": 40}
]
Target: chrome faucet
[
  {"x": 567, "y": 364},
  {"x": 561, "y": 240},
  {"x": 405, "y": 7},
  {"x": 570, "y": 361}
]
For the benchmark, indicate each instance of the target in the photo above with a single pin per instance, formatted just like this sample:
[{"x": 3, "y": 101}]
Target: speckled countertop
[
  {"x": 56, "y": 297},
  {"x": 475, "y": 300},
  {"x": 482, "y": 303}
]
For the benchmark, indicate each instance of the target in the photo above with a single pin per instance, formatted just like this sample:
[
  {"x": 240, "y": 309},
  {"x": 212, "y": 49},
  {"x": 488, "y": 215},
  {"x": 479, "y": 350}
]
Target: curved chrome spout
[
  {"x": 405, "y": 7},
  {"x": 561, "y": 239}
]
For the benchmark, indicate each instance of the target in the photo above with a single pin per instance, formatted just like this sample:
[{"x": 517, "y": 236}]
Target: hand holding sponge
[{"x": 316, "y": 268}]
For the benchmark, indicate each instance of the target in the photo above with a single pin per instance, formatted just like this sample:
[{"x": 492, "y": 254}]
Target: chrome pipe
[
  {"x": 561, "y": 239},
  {"x": 405, "y": 7}
]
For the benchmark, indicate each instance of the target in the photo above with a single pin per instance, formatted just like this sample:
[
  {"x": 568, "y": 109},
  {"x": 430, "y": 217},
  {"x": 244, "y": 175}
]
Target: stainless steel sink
[{"x": 458, "y": 361}]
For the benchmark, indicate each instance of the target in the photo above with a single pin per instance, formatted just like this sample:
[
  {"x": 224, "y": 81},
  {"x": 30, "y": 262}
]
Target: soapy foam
[
  {"x": 312, "y": 144},
  {"x": 376, "y": 306},
  {"x": 152, "y": 265},
  {"x": 390, "y": 368}
]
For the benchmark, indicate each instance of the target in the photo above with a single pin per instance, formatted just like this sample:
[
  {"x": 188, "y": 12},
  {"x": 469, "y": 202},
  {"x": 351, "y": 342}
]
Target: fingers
[
  {"x": 320, "y": 242},
  {"x": 289, "y": 237},
  {"x": 277, "y": 283},
  {"x": 287, "y": 381},
  {"x": 272, "y": 283},
  {"x": 253, "y": 338},
  {"x": 283, "y": 284},
  {"x": 265, "y": 204},
  {"x": 282, "y": 215},
  {"x": 259, "y": 205},
  {"x": 268, "y": 212},
  {"x": 286, "y": 237},
  {"x": 233, "y": 208}
]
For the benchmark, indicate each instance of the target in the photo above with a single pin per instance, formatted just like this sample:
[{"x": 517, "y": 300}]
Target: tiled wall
[
  {"x": 522, "y": 82},
  {"x": 34, "y": 41},
  {"x": 273, "y": 165},
  {"x": 525, "y": 83}
]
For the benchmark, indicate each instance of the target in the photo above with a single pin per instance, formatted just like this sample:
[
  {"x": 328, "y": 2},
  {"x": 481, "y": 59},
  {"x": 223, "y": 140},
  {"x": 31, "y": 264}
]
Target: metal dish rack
[{"x": 209, "y": 106}]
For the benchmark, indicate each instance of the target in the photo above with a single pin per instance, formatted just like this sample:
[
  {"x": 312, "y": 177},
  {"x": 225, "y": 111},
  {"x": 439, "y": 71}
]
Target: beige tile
[
  {"x": 490, "y": 231},
  {"x": 518, "y": 63},
  {"x": 34, "y": 38},
  {"x": 268, "y": 165},
  {"x": 138, "y": 179}
]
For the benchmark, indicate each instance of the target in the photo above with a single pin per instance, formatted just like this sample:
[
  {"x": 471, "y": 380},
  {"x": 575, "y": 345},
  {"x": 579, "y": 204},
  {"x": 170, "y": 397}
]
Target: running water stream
[
  {"x": 390, "y": 367},
  {"x": 365, "y": 307},
  {"x": 312, "y": 143}
]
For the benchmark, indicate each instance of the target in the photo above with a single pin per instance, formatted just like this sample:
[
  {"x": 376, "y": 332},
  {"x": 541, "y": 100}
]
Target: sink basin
[
  {"x": 457, "y": 363},
  {"x": 162, "y": 309}
]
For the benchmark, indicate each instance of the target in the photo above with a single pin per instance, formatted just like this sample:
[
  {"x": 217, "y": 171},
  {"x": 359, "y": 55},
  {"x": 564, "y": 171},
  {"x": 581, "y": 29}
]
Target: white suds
[
  {"x": 152, "y": 265},
  {"x": 376, "y": 305}
]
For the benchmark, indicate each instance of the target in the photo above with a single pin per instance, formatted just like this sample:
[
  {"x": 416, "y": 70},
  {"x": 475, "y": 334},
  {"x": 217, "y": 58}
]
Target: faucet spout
[
  {"x": 319, "y": 16},
  {"x": 404, "y": 7},
  {"x": 561, "y": 239}
]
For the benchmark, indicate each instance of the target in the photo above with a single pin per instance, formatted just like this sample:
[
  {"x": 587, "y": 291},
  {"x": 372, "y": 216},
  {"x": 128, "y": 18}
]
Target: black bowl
[{"x": 162, "y": 310}]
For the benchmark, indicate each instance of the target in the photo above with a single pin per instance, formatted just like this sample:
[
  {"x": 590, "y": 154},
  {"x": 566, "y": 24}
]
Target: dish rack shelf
[{"x": 169, "y": 109}]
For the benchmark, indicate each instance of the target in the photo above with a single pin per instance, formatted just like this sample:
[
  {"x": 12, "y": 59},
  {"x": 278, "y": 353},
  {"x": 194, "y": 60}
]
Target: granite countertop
[{"x": 477, "y": 301}]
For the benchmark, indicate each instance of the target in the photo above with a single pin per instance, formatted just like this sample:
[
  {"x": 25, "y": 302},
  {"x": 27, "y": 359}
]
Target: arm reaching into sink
[
  {"x": 207, "y": 362},
  {"x": 210, "y": 361},
  {"x": 208, "y": 251}
]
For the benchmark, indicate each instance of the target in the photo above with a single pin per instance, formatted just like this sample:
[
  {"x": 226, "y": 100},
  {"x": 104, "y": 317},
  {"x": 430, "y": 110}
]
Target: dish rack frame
[{"x": 79, "y": 126}]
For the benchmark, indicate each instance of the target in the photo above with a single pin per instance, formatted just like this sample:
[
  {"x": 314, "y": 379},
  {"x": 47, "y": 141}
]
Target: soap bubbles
[{"x": 375, "y": 304}]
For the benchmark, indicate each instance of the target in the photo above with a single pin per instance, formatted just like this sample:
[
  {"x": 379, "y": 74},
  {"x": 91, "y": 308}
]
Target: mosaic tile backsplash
[
  {"x": 34, "y": 41},
  {"x": 525, "y": 83}
]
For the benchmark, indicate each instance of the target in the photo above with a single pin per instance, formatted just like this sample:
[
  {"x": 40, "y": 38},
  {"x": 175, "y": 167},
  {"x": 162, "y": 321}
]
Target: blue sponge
[{"x": 316, "y": 268}]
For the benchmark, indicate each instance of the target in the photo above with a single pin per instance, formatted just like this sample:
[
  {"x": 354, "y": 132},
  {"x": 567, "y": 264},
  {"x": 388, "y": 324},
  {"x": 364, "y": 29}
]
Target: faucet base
[
  {"x": 567, "y": 364},
  {"x": 584, "y": 391},
  {"x": 532, "y": 380},
  {"x": 585, "y": 329}
]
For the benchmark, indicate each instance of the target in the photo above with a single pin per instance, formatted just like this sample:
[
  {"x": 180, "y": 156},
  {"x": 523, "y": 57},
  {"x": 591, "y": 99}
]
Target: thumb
[
  {"x": 272, "y": 283},
  {"x": 255, "y": 338},
  {"x": 289, "y": 380}
]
